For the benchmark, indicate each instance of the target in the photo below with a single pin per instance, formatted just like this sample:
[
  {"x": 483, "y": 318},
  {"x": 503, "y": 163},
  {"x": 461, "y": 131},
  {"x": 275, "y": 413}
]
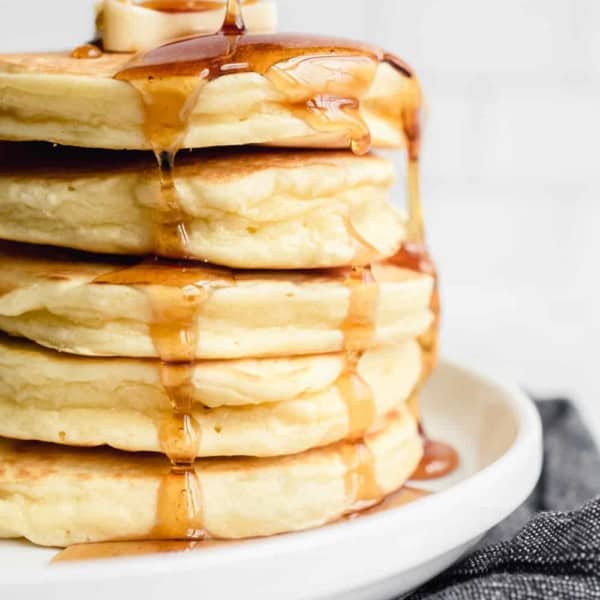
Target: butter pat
[{"x": 128, "y": 27}]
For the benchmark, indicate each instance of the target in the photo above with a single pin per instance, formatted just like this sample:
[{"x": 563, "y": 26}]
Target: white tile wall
[{"x": 511, "y": 164}]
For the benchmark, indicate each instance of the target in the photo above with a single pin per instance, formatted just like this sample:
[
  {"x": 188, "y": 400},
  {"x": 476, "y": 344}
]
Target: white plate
[{"x": 495, "y": 428}]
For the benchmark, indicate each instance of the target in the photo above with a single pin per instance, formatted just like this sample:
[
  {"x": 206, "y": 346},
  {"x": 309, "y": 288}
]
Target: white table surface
[{"x": 520, "y": 286}]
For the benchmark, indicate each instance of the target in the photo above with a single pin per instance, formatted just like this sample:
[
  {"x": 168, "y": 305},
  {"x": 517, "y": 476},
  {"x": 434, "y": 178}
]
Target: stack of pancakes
[{"x": 230, "y": 345}]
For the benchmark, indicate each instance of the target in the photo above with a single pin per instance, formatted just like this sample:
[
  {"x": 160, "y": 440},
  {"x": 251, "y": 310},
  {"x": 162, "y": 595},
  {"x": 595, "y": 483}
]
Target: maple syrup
[
  {"x": 359, "y": 325},
  {"x": 358, "y": 329},
  {"x": 362, "y": 488},
  {"x": 169, "y": 80},
  {"x": 358, "y": 397},
  {"x": 86, "y": 51},
  {"x": 180, "y": 513},
  {"x": 438, "y": 460},
  {"x": 416, "y": 257},
  {"x": 405, "y": 495},
  {"x": 176, "y": 293},
  {"x": 112, "y": 550}
]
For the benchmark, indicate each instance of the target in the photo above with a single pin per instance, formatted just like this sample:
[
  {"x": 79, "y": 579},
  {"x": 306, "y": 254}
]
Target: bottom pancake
[
  {"x": 55, "y": 496},
  {"x": 261, "y": 408}
]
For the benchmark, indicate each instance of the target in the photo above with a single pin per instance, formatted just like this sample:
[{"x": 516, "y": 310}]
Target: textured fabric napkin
[{"x": 549, "y": 548}]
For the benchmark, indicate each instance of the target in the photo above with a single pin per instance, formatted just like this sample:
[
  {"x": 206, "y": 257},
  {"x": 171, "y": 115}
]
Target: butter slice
[{"x": 128, "y": 27}]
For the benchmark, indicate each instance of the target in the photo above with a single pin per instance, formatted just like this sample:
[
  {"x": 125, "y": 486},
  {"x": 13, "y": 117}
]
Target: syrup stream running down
[
  {"x": 438, "y": 460},
  {"x": 416, "y": 257},
  {"x": 362, "y": 489},
  {"x": 169, "y": 80},
  {"x": 176, "y": 294},
  {"x": 359, "y": 334},
  {"x": 86, "y": 51}
]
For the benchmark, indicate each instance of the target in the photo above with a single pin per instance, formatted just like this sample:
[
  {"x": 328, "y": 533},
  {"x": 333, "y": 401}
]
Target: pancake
[
  {"x": 128, "y": 27},
  {"x": 90, "y": 305},
  {"x": 55, "y": 496},
  {"x": 300, "y": 402},
  {"x": 57, "y": 98},
  {"x": 245, "y": 209}
]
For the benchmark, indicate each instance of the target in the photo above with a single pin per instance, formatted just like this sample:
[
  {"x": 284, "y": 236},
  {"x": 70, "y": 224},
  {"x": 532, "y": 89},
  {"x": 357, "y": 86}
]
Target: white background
[{"x": 511, "y": 166}]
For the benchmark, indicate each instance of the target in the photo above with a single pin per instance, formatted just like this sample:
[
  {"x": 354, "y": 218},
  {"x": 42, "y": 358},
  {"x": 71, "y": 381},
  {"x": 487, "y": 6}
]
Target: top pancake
[{"x": 54, "y": 97}]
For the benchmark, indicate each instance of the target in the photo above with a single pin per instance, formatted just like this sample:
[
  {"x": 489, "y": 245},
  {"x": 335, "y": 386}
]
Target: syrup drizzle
[
  {"x": 320, "y": 79},
  {"x": 112, "y": 550},
  {"x": 86, "y": 51},
  {"x": 359, "y": 325},
  {"x": 439, "y": 459},
  {"x": 169, "y": 80},
  {"x": 179, "y": 509},
  {"x": 416, "y": 257},
  {"x": 176, "y": 293},
  {"x": 359, "y": 334}
]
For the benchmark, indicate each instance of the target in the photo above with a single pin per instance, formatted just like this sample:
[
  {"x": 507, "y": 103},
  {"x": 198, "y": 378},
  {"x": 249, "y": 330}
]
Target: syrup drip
[
  {"x": 176, "y": 294},
  {"x": 320, "y": 80},
  {"x": 299, "y": 67},
  {"x": 179, "y": 508},
  {"x": 234, "y": 22},
  {"x": 438, "y": 460},
  {"x": 414, "y": 407},
  {"x": 87, "y": 51},
  {"x": 359, "y": 326},
  {"x": 365, "y": 253},
  {"x": 179, "y": 433},
  {"x": 362, "y": 489},
  {"x": 405, "y": 495},
  {"x": 415, "y": 256},
  {"x": 358, "y": 396},
  {"x": 359, "y": 334}
]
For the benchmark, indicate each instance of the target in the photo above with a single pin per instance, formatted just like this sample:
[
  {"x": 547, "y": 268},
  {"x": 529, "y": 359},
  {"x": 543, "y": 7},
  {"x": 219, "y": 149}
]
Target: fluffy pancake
[
  {"x": 300, "y": 402},
  {"x": 54, "y": 97},
  {"x": 92, "y": 306},
  {"x": 245, "y": 209},
  {"x": 57, "y": 497}
]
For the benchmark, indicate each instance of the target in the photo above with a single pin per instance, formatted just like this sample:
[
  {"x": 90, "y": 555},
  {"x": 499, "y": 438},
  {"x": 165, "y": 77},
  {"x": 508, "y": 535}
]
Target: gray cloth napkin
[{"x": 550, "y": 547}]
